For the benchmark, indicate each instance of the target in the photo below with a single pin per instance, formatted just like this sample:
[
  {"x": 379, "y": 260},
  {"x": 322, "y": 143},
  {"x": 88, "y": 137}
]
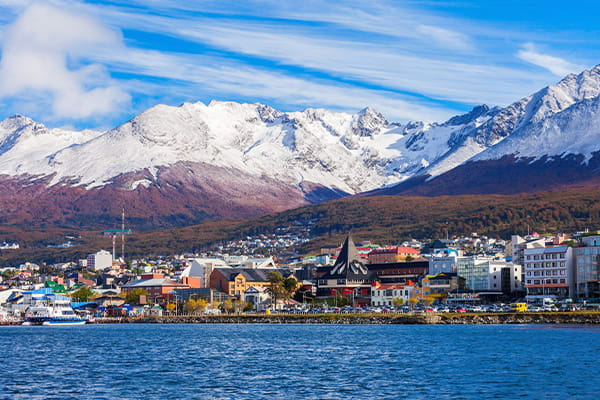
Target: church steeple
[{"x": 348, "y": 263}]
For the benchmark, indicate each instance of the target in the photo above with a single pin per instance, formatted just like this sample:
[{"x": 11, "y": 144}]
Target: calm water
[{"x": 299, "y": 361}]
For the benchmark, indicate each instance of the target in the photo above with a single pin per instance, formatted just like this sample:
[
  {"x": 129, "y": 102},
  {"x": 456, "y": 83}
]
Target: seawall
[{"x": 577, "y": 318}]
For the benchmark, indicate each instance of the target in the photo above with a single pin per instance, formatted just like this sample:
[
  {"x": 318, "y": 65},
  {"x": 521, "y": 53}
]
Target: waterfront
[{"x": 299, "y": 361}]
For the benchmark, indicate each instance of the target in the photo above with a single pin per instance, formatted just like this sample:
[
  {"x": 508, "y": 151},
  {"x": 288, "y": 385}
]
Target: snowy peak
[{"x": 369, "y": 123}]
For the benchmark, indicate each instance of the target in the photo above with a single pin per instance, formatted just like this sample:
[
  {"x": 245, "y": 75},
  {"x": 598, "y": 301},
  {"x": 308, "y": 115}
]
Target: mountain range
[{"x": 173, "y": 166}]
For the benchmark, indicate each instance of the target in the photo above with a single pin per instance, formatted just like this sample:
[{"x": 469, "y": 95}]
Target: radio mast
[{"x": 123, "y": 234}]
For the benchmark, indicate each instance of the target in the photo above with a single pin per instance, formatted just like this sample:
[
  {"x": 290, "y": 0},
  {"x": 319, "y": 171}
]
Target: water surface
[{"x": 299, "y": 361}]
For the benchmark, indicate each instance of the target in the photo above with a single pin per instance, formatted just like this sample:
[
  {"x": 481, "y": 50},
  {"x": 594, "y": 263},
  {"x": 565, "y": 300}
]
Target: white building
[
  {"x": 258, "y": 296},
  {"x": 202, "y": 268},
  {"x": 384, "y": 295},
  {"x": 550, "y": 272},
  {"x": 99, "y": 261},
  {"x": 489, "y": 274}
]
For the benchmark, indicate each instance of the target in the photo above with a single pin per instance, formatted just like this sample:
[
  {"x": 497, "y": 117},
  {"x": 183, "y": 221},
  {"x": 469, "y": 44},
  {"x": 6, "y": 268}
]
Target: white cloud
[
  {"x": 556, "y": 65},
  {"x": 42, "y": 51},
  {"x": 446, "y": 37}
]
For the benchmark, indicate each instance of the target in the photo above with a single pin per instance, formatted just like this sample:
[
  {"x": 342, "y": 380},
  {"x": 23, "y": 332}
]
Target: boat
[{"x": 47, "y": 308}]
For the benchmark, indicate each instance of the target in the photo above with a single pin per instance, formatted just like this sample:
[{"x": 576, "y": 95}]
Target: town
[{"x": 460, "y": 274}]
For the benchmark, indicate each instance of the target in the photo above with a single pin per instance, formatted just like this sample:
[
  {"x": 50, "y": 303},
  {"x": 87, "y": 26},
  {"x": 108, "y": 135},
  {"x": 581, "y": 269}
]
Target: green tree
[
  {"x": 289, "y": 286},
  {"x": 82, "y": 294},
  {"x": 398, "y": 301},
  {"x": 276, "y": 288},
  {"x": 133, "y": 297}
]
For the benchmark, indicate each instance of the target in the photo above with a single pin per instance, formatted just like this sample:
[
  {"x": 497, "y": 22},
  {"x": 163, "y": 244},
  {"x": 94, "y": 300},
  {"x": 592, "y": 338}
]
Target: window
[
  {"x": 562, "y": 281},
  {"x": 562, "y": 271},
  {"x": 536, "y": 282},
  {"x": 528, "y": 273},
  {"x": 529, "y": 281},
  {"x": 562, "y": 255}
]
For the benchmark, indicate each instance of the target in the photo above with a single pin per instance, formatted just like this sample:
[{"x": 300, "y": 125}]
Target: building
[
  {"x": 235, "y": 281},
  {"x": 160, "y": 289},
  {"x": 550, "y": 272},
  {"x": 391, "y": 254},
  {"x": 485, "y": 274},
  {"x": 349, "y": 276},
  {"x": 202, "y": 268},
  {"x": 259, "y": 297},
  {"x": 207, "y": 294},
  {"x": 442, "y": 263},
  {"x": 440, "y": 286},
  {"x": 398, "y": 272},
  {"x": 587, "y": 261},
  {"x": 517, "y": 247},
  {"x": 384, "y": 295},
  {"x": 99, "y": 261}
]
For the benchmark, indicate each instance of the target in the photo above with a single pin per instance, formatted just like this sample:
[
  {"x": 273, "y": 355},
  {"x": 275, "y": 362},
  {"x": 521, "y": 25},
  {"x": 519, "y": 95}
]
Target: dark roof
[{"x": 348, "y": 264}]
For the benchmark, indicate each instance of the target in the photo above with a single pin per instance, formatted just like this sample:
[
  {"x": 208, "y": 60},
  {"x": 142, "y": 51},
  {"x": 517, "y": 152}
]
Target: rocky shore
[{"x": 577, "y": 318}]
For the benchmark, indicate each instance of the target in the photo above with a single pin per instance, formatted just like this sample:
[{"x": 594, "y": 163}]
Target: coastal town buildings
[
  {"x": 99, "y": 261},
  {"x": 550, "y": 272},
  {"x": 391, "y": 254},
  {"x": 587, "y": 260},
  {"x": 389, "y": 295}
]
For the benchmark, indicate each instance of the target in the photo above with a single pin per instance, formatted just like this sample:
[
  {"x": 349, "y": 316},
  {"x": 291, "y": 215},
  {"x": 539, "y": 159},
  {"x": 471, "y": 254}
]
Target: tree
[
  {"x": 398, "y": 301},
  {"x": 82, "y": 294},
  {"x": 171, "y": 307},
  {"x": 200, "y": 305},
  {"x": 227, "y": 305},
  {"x": 429, "y": 300},
  {"x": 275, "y": 289},
  {"x": 133, "y": 297},
  {"x": 190, "y": 306},
  {"x": 289, "y": 286},
  {"x": 413, "y": 301}
]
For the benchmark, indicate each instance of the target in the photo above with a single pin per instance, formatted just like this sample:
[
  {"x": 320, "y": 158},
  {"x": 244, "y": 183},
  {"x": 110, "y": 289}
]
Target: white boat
[{"x": 47, "y": 308}]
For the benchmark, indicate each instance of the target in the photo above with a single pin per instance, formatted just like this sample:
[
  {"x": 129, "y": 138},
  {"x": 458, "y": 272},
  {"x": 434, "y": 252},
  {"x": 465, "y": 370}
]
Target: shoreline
[{"x": 566, "y": 318}]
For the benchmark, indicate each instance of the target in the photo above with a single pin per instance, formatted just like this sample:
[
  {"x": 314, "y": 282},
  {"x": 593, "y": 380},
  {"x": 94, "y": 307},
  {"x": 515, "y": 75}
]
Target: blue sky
[{"x": 96, "y": 64}]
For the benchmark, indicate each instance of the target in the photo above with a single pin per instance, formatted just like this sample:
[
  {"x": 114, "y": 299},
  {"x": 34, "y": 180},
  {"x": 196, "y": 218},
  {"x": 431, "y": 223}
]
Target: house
[
  {"x": 258, "y": 296},
  {"x": 385, "y": 295}
]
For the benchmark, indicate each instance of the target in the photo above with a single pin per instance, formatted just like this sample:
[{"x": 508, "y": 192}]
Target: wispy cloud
[
  {"x": 556, "y": 65},
  {"x": 36, "y": 51},
  {"x": 401, "y": 58}
]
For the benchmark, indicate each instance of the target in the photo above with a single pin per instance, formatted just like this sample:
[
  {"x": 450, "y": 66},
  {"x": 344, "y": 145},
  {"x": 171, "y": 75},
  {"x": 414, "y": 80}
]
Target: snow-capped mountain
[
  {"x": 342, "y": 152},
  {"x": 547, "y": 140},
  {"x": 196, "y": 161}
]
